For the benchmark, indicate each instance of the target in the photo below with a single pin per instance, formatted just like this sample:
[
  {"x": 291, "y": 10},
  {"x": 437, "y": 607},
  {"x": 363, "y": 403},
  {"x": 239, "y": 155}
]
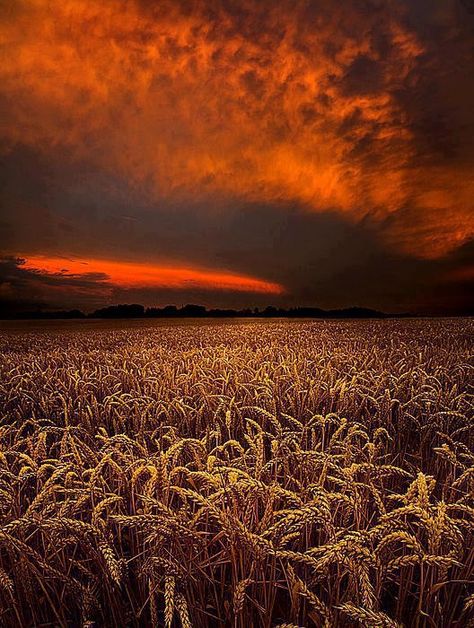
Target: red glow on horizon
[{"x": 145, "y": 275}]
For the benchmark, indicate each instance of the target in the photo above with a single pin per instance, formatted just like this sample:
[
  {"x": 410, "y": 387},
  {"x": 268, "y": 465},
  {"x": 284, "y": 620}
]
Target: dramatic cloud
[
  {"x": 312, "y": 151},
  {"x": 133, "y": 275}
]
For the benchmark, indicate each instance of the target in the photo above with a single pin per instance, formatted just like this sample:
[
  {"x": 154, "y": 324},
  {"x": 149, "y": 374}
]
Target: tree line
[{"x": 135, "y": 310}]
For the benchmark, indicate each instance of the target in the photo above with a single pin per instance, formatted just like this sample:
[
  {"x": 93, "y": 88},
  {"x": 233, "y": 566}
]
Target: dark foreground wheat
[{"x": 241, "y": 474}]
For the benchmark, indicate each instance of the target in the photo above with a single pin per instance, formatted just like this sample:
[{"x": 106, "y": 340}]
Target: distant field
[{"x": 237, "y": 473}]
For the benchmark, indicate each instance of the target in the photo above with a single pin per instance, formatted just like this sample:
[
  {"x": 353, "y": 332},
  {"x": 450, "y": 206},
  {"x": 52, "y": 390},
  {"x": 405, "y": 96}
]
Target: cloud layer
[{"x": 306, "y": 144}]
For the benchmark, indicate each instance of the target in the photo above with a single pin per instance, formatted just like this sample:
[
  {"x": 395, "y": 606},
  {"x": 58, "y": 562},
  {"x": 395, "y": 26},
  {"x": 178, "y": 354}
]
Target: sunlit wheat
[{"x": 239, "y": 474}]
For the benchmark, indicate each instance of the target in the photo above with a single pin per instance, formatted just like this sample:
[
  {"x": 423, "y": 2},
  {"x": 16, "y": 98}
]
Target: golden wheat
[{"x": 239, "y": 474}]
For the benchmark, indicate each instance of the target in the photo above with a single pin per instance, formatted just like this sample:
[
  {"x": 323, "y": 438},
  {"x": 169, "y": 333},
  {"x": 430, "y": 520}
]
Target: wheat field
[{"x": 257, "y": 473}]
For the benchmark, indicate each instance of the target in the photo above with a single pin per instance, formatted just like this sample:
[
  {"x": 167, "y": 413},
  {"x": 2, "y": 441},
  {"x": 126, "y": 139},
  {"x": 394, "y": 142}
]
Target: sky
[{"x": 237, "y": 153}]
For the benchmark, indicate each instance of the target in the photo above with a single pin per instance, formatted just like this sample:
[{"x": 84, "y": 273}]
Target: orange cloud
[
  {"x": 141, "y": 275},
  {"x": 267, "y": 105}
]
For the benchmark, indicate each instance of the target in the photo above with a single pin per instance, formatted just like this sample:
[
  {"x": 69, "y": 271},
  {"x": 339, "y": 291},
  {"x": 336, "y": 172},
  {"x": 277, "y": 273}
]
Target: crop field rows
[{"x": 258, "y": 473}]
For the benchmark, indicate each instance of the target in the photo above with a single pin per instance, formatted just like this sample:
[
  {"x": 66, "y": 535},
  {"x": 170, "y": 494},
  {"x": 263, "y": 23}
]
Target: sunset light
[
  {"x": 236, "y": 313},
  {"x": 135, "y": 275},
  {"x": 318, "y": 151}
]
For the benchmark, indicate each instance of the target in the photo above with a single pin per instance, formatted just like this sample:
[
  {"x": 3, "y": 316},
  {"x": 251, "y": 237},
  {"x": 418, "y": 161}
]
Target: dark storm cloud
[
  {"x": 325, "y": 147},
  {"x": 438, "y": 96},
  {"x": 364, "y": 75},
  {"x": 319, "y": 258},
  {"x": 23, "y": 290}
]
